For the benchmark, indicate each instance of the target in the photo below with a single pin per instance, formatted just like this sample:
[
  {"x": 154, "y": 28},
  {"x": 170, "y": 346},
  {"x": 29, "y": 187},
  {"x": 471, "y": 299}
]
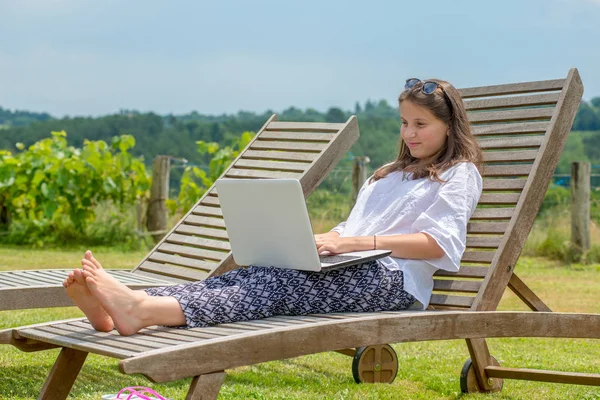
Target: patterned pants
[{"x": 260, "y": 292}]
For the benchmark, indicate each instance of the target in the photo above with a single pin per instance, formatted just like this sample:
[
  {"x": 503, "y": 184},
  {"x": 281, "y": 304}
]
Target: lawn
[{"x": 428, "y": 370}]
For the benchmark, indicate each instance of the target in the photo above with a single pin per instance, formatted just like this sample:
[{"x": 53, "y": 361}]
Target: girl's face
[{"x": 423, "y": 132}]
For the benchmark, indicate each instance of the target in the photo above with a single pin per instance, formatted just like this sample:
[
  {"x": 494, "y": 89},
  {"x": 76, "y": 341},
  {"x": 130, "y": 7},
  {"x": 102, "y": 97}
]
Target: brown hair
[{"x": 460, "y": 144}]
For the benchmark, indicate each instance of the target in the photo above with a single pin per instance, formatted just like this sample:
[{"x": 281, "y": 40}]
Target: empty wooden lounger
[
  {"x": 522, "y": 137},
  {"x": 198, "y": 247}
]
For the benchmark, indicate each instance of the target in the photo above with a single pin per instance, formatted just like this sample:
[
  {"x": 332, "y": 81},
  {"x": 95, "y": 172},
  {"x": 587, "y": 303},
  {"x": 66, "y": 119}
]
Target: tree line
[{"x": 176, "y": 135}]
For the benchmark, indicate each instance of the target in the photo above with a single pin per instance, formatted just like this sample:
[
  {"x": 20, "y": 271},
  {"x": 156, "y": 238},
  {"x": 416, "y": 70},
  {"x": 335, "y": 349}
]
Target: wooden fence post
[
  {"x": 157, "y": 212},
  {"x": 580, "y": 207},
  {"x": 359, "y": 175}
]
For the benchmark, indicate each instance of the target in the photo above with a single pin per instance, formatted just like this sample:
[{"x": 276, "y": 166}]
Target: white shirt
[{"x": 392, "y": 206}]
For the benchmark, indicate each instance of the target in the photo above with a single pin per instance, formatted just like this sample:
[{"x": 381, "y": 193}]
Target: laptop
[{"x": 268, "y": 225}]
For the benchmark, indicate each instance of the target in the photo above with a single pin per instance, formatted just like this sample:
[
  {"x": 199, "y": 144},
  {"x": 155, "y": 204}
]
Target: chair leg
[
  {"x": 206, "y": 387},
  {"x": 63, "y": 374},
  {"x": 481, "y": 358}
]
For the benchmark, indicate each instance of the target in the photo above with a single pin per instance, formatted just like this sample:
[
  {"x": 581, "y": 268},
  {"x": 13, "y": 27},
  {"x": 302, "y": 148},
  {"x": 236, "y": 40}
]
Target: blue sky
[{"x": 78, "y": 57}]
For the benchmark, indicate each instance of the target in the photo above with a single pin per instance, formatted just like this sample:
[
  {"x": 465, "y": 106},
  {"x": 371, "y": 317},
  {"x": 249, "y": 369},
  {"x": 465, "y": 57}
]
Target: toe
[
  {"x": 77, "y": 275},
  {"x": 91, "y": 282},
  {"x": 96, "y": 262},
  {"x": 89, "y": 264},
  {"x": 88, "y": 270},
  {"x": 86, "y": 274}
]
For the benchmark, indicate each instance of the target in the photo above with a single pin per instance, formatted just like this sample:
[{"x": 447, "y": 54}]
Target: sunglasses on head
[{"x": 427, "y": 87}]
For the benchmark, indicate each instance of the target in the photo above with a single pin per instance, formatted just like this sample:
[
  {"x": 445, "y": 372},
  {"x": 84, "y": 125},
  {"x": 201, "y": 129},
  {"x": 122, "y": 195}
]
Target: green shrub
[{"x": 50, "y": 192}]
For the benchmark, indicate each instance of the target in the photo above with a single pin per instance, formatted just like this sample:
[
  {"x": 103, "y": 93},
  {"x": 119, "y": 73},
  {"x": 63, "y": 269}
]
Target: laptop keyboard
[{"x": 336, "y": 259}]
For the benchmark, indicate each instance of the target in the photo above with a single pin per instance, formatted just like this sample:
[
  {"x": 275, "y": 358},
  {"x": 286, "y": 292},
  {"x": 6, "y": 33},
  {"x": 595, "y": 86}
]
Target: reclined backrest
[{"x": 522, "y": 129}]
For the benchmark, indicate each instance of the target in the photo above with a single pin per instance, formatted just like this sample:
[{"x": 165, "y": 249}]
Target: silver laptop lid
[{"x": 267, "y": 223}]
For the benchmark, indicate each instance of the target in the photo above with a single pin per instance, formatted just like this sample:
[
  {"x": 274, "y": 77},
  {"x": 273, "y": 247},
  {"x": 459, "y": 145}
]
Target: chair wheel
[
  {"x": 375, "y": 364},
  {"x": 468, "y": 380}
]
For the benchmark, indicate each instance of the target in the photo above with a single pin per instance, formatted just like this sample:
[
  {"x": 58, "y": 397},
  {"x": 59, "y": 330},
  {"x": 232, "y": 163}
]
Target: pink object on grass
[{"x": 136, "y": 393}]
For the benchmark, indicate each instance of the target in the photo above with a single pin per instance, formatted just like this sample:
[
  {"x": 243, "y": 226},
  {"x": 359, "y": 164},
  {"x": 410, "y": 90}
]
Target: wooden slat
[
  {"x": 187, "y": 274},
  {"x": 456, "y": 286},
  {"x": 507, "y": 156},
  {"x": 221, "y": 331},
  {"x": 192, "y": 252},
  {"x": 465, "y": 272},
  {"x": 168, "y": 280},
  {"x": 543, "y": 376},
  {"x": 182, "y": 261},
  {"x": 260, "y": 174},
  {"x": 504, "y": 184},
  {"x": 155, "y": 340},
  {"x": 531, "y": 114},
  {"x": 513, "y": 101},
  {"x": 126, "y": 278},
  {"x": 21, "y": 282},
  {"x": 507, "y": 170},
  {"x": 167, "y": 335},
  {"x": 451, "y": 301},
  {"x": 478, "y": 256},
  {"x": 85, "y": 329},
  {"x": 487, "y": 227},
  {"x": 39, "y": 276},
  {"x": 126, "y": 274},
  {"x": 17, "y": 280},
  {"x": 210, "y": 201},
  {"x": 526, "y": 294},
  {"x": 117, "y": 341},
  {"x": 288, "y": 146},
  {"x": 6, "y": 283},
  {"x": 512, "y": 142},
  {"x": 296, "y": 136},
  {"x": 191, "y": 333},
  {"x": 208, "y": 211},
  {"x": 204, "y": 221},
  {"x": 206, "y": 232},
  {"x": 512, "y": 88},
  {"x": 493, "y": 213},
  {"x": 510, "y": 129},
  {"x": 279, "y": 155},
  {"x": 62, "y": 273},
  {"x": 304, "y": 126},
  {"x": 272, "y": 165},
  {"x": 198, "y": 242},
  {"x": 297, "y": 318},
  {"x": 484, "y": 241},
  {"x": 58, "y": 338},
  {"x": 499, "y": 198}
]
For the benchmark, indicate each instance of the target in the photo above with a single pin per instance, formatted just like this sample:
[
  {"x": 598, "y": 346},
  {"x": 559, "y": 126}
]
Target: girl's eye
[
  {"x": 404, "y": 123},
  {"x": 420, "y": 124}
]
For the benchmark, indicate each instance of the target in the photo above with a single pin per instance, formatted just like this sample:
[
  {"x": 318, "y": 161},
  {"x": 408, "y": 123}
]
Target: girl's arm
[{"x": 413, "y": 245}]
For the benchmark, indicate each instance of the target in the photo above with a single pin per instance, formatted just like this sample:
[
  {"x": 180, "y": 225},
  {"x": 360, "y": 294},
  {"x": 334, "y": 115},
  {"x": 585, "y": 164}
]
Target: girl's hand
[{"x": 334, "y": 244}]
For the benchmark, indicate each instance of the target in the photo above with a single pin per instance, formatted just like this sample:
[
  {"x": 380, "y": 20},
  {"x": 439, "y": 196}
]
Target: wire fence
[{"x": 339, "y": 180}]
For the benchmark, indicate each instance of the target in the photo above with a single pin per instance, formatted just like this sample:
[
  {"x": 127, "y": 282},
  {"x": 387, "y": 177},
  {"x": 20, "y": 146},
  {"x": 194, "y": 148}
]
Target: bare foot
[
  {"x": 83, "y": 298},
  {"x": 120, "y": 302}
]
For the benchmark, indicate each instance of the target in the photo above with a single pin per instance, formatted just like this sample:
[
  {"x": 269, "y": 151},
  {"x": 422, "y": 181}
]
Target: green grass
[{"x": 428, "y": 370}]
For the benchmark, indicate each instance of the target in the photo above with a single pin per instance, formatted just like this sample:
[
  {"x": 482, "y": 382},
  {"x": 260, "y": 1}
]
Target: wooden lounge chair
[
  {"x": 523, "y": 137},
  {"x": 197, "y": 246}
]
